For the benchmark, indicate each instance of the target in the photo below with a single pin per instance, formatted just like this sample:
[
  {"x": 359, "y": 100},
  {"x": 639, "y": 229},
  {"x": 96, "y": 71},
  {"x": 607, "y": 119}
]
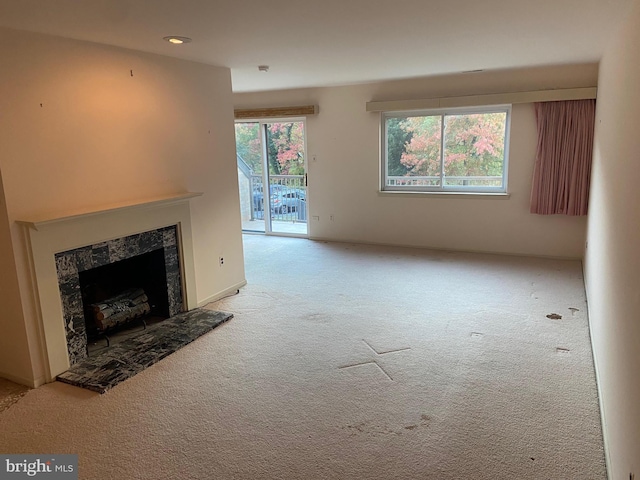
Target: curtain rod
[
  {"x": 488, "y": 99},
  {"x": 253, "y": 113}
]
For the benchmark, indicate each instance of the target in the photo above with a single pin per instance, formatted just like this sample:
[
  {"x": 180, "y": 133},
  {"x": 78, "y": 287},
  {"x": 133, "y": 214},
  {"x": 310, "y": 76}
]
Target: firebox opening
[{"x": 141, "y": 278}]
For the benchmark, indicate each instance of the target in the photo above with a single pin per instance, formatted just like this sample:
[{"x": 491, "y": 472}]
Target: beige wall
[
  {"x": 344, "y": 178},
  {"x": 612, "y": 261},
  {"x": 85, "y": 125},
  {"x": 16, "y": 361}
]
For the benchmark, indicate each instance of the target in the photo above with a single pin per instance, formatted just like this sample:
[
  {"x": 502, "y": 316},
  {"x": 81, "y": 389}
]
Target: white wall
[
  {"x": 11, "y": 318},
  {"x": 85, "y": 125},
  {"x": 612, "y": 260},
  {"x": 344, "y": 180}
]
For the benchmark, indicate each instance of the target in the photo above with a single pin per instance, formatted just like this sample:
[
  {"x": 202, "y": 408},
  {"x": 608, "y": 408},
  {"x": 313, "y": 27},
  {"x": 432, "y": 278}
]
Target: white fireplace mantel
[
  {"x": 39, "y": 221},
  {"x": 51, "y": 234}
]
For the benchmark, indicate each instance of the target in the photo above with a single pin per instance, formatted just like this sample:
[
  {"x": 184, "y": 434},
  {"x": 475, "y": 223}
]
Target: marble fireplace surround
[
  {"x": 51, "y": 236},
  {"x": 72, "y": 263}
]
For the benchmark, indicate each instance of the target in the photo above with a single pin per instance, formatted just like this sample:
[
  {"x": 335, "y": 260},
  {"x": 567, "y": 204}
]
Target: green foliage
[
  {"x": 272, "y": 152},
  {"x": 398, "y": 136},
  {"x": 285, "y": 147},
  {"x": 248, "y": 145},
  {"x": 422, "y": 154},
  {"x": 473, "y": 146}
]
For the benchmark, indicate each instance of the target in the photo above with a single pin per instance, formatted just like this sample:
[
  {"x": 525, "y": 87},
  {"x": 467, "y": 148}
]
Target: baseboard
[
  {"x": 603, "y": 423},
  {"x": 27, "y": 382},
  {"x": 224, "y": 293},
  {"x": 441, "y": 249}
]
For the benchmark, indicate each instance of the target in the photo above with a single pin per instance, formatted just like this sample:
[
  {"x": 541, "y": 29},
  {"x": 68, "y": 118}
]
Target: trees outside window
[
  {"x": 285, "y": 147},
  {"x": 446, "y": 150}
]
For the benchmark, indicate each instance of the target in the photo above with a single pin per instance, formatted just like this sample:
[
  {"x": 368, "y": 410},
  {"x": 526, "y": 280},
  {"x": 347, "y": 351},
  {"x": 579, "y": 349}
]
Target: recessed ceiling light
[{"x": 177, "y": 40}]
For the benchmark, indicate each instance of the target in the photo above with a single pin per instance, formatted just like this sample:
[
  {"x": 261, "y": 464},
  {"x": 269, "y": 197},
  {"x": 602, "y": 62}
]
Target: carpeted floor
[
  {"x": 352, "y": 362},
  {"x": 10, "y": 393}
]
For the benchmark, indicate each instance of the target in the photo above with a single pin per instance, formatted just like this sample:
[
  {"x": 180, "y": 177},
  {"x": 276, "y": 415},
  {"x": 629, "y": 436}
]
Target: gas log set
[{"x": 129, "y": 305}]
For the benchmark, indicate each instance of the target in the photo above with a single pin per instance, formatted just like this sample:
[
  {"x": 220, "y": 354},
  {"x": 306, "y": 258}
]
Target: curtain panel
[{"x": 563, "y": 158}]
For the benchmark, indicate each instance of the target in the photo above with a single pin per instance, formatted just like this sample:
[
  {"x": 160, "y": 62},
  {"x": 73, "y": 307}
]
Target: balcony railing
[
  {"x": 288, "y": 195},
  {"x": 434, "y": 181}
]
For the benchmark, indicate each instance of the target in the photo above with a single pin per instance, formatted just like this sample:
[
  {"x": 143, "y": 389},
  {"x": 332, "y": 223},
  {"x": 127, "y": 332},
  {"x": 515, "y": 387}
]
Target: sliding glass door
[{"x": 272, "y": 176}]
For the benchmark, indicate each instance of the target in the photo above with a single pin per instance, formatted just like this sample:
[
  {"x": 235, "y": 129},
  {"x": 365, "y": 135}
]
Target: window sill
[{"x": 466, "y": 195}]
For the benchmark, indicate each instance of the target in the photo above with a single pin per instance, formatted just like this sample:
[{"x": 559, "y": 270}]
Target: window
[{"x": 454, "y": 150}]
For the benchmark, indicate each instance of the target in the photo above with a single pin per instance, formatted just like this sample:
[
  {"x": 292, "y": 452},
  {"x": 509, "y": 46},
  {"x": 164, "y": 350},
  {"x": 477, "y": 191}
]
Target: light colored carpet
[
  {"x": 352, "y": 362},
  {"x": 10, "y": 393}
]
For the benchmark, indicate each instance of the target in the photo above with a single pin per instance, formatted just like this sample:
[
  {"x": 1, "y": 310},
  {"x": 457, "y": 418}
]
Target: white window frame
[
  {"x": 442, "y": 188},
  {"x": 263, "y": 122}
]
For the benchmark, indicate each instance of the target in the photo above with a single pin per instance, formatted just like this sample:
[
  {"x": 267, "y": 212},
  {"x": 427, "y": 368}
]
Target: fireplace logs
[{"x": 124, "y": 307}]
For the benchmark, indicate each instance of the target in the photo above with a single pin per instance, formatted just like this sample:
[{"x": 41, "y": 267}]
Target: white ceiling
[{"x": 334, "y": 42}]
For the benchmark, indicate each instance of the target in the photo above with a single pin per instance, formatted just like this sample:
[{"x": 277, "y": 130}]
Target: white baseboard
[
  {"x": 603, "y": 421},
  {"x": 440, "y": 249},
  {"x": 224, "y": 293},
  {"x": 28, "y": 382}
]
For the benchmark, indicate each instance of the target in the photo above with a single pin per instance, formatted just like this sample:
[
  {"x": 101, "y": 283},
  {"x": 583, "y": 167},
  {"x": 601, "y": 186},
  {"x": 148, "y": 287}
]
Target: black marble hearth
[
  {"x": 71, "y": 263},
  {"x": 124, "y": 360}
]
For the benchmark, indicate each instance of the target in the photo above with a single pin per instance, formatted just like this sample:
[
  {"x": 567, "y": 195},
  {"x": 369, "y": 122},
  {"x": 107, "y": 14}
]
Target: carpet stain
[
  {"x": 365, "y": 428},
  {"x": 574, "y": 310},
  {"x": 425, "y": 420},
  {"x": 554, "y": 316},
  {"x": 318, "y": 318},
  {"x": 562, "y": 351},
  {"x": 355, "y": 429},
  {"x": 477, "y": 335}
]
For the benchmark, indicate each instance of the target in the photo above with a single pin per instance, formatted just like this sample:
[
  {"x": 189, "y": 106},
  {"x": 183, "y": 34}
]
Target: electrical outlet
[{"x": 221, "y": 260}]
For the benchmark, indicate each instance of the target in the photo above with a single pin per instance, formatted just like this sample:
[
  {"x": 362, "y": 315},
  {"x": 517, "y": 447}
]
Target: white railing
[
  {"x": 434, "y": 181},
  {"x": 288, "y": 195}
]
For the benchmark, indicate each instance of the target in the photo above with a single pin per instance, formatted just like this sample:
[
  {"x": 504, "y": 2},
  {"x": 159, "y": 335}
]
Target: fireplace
[
  {"x": 64, "y": 248},
  {"x": 148, "y": 261},
  {"x": 122, "y": 293}
]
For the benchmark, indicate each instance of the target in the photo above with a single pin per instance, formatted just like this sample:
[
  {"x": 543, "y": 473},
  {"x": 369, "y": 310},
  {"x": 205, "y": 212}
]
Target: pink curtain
[{"x": 563, "y": 157}]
